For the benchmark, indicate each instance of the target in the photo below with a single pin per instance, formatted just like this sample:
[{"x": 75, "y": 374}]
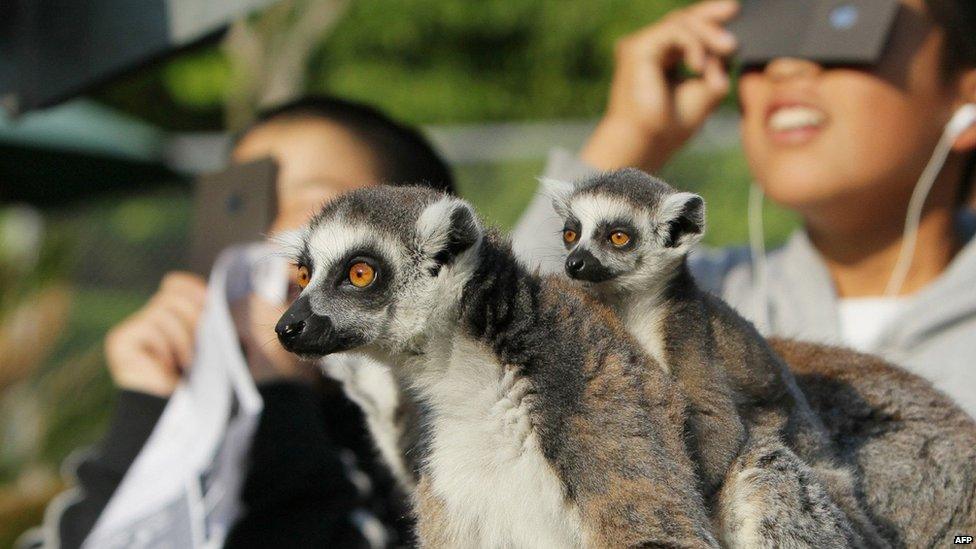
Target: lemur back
[
  {"x": 628, "y": 236},
  {"x": 913, "y": 450},
  {"x": 542, "y": 422}
]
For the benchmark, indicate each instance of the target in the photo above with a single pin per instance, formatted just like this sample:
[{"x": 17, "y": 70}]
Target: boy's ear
[
  {"x": 558, "y": 192},
  {"x": 445, "y": 230},
  {"x": 681, "y": 219}
]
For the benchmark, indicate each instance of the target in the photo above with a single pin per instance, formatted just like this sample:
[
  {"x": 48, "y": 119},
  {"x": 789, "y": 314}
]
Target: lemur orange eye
[
  {"x": 361, "y": 274},
  {"x": 569, "y": 236},
  {"x": 619, "y": 238},
  {"x": 302, "y": 277}
]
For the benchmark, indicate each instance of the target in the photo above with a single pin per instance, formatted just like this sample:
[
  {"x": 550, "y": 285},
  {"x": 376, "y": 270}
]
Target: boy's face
[
  {"x": 317, "y": 160},
  {"x": 846, "y": 145}
]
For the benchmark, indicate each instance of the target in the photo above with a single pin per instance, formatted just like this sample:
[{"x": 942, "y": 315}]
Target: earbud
[{"x": 962, "y": 120}]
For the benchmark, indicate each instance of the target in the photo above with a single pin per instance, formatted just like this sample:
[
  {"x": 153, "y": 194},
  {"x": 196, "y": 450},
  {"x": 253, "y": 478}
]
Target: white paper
[{"x": 183, "y": 489}]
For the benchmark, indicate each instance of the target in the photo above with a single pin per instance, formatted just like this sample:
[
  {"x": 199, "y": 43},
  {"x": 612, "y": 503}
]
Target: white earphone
[
  {"x": 964, "y": 117},
  {"x": 962, "y": 120}
]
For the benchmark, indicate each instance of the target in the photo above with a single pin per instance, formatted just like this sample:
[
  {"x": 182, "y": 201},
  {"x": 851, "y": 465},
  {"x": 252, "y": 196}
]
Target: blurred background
[{"x": 95, "y": 191}]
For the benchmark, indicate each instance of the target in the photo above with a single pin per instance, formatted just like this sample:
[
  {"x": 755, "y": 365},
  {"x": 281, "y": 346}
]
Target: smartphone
[{"x": 231, "y": 207}]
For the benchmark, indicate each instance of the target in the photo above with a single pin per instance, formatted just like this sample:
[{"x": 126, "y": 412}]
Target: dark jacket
[{"x": 313, "y": 472}]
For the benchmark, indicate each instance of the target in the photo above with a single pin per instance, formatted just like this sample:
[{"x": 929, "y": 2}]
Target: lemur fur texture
[
  {"x": 764, "y": 458},
  {"x": 543, "y": 423},
  {"x": 912, "y": 449},
  {"x": 876, "y": 413}
]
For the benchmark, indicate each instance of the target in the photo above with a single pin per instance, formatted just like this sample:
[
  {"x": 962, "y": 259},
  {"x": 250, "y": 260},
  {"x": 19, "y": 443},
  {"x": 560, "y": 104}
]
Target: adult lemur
[
  {"x": 628, "y": 235},
  {"x": 544, "y": 423}
]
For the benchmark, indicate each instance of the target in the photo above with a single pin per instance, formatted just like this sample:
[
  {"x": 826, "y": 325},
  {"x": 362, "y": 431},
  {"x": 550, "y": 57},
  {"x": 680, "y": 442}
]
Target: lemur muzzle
[{"x": 301, "y": 330}]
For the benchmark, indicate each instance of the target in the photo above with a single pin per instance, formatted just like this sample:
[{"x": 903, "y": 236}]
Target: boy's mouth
[{"x": 794, "y": 123}]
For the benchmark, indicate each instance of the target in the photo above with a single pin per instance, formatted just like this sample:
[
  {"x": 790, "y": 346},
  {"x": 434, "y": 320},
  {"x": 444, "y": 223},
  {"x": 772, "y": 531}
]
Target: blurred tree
[{"x": 514, "y": 60}]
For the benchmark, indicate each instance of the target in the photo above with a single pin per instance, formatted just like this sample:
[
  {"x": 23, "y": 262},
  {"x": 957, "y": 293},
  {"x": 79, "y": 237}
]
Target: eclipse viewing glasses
[{"x": 840, "y": 32}]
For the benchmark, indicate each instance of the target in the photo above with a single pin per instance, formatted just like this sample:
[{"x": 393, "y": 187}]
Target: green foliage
[
  {"x": 429, "y": 61},
  {"x": 198, "y": 80},
  {"x": 499, "y": 191},
  {"x": 514, "y": 60}
]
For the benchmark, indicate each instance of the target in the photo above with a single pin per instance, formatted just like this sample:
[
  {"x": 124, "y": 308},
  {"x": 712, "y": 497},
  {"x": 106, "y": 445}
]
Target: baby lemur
[
  {"x": 544, "y": 424},
  {"x": 760, "y": 449}
]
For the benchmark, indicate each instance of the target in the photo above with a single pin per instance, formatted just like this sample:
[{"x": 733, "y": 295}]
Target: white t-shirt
[{"x": 864, "y": 319}]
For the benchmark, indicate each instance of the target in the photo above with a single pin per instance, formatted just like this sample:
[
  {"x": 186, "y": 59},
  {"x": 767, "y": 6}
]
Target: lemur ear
[
  {"x": 446, "y": 229},
  {"x": 681, "y": 219},
  {"x": 559, "y": 192}
]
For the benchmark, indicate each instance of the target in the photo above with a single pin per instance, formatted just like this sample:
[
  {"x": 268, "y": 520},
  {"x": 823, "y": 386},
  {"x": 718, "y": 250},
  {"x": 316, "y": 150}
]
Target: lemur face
[
  {"x": 374, "y": 265},
  {"x": 624, "y": 229}
]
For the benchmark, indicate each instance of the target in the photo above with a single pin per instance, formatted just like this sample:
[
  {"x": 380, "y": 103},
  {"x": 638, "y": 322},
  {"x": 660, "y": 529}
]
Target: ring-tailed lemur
[
  {"x": 544, "y": 423},
  {"x": 754, "y": 437}
]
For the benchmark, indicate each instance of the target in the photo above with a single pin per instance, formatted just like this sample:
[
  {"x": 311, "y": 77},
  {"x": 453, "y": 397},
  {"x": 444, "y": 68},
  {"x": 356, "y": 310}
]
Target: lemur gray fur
[
  {"x": 877, "y": 414},
  {"x": 761, "y": 451},
  {"x": 544, "y": 424},
  {"x": 912, "y": 449}
]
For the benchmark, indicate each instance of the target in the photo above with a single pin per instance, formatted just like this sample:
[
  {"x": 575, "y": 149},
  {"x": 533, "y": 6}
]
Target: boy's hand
[
  {"x": 149, "y": 351},
  {"x": 650, "y": 115}
]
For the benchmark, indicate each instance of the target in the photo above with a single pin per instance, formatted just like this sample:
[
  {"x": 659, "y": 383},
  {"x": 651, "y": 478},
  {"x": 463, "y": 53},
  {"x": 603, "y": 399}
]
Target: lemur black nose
[
  {"x": 294, "y": 322},
  {"x": 575, "y": 264},
  {"x": 288, "y": 332}
]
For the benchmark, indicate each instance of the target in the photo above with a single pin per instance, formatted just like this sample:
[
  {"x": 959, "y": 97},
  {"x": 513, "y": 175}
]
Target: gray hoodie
[{"x": 933, "y": 337}]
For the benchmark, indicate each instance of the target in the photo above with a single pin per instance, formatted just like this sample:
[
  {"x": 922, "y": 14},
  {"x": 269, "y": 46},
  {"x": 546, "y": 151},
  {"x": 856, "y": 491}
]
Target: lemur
[
  {"x": 761, "y": 451},
  {"x": 543, "y": 423}
]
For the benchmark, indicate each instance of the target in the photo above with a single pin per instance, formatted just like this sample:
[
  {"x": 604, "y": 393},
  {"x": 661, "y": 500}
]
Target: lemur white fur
[
  {"x": 373, "y": 388},
  {"x": 485, "y": 459}
]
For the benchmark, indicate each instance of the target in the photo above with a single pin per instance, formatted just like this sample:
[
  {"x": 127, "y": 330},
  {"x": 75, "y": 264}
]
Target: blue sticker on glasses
[{"x": 844, "y": 17}]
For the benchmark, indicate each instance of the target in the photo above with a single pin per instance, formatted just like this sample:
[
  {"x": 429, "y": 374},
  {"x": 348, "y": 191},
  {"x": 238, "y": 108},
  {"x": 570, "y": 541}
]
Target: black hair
[
  {"x": 957, "y": 18},
  {"x": 404, "y": 155}
]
